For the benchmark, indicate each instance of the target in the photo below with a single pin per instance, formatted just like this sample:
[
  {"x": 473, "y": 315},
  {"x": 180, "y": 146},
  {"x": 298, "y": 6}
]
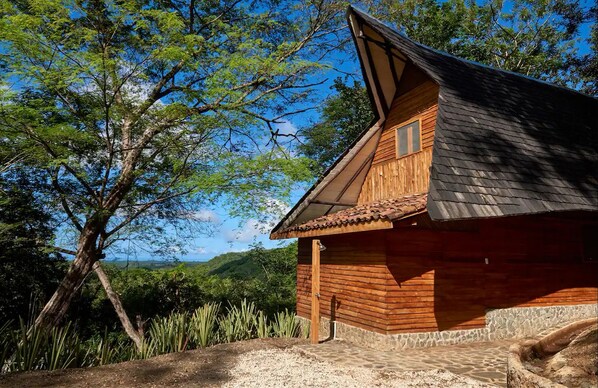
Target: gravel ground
[
  {"x": 256, "y": 363},
  {"x": 286, "y": 367}
]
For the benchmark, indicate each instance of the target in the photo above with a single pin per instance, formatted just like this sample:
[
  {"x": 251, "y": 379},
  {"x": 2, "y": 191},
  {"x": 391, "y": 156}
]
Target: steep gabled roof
[{"x": 504, "y": 144}]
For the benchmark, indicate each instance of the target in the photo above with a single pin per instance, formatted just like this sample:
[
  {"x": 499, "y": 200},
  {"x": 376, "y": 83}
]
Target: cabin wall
[
  {"x": 415, "y": 279},
  {"x": 390, "y": 176},
  {"x": 439, "y": 279},
  {"x": 352, "y": 271}
]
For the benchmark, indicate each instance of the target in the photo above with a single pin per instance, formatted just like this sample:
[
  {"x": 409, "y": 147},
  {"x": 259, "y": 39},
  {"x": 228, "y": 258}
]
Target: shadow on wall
[{"x": 531, "y": 261}]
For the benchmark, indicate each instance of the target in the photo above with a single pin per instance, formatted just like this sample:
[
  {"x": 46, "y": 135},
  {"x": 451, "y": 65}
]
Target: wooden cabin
[{"x": 467, "y": 210}]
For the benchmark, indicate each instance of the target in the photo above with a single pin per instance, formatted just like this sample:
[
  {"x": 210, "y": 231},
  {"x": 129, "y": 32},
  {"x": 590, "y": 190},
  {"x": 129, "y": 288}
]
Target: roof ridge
[{"x": 467, "y": 61}]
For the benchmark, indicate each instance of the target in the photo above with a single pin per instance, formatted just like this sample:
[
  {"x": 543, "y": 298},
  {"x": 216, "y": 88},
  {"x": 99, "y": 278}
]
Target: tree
[
  {"x": 586, "y": 66},
  {"x": 138, "y": 112},
  {"x": 536, "y": 38},
  {"x": 343, "y": 117},
  {"x": 531, "y": 37},
  {"x": 28, "y": 272}
]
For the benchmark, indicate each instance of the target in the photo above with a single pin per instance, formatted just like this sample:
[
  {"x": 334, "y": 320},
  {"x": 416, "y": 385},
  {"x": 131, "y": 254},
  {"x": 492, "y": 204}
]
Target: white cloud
[
  {"x": 286, "y": 128},
  {"x": 247, "y": 232},
  {"x": 202, "y": 215}
]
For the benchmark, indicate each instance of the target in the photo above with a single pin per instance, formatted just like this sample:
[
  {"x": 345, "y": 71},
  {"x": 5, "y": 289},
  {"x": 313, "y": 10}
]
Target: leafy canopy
[{"x": 138, "y": 112}]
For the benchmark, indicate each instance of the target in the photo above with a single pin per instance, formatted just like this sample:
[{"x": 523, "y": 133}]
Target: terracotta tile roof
[{"x": 385, "y": 210}]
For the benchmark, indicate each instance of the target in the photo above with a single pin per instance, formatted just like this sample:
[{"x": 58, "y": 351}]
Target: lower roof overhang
[{"x": 379, "y": 215}]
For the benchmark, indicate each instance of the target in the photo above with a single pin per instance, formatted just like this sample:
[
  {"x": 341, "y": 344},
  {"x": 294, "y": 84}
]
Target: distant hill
[
  {"x": 151, "y": 264},
  {"x": 227, "y": 265}
]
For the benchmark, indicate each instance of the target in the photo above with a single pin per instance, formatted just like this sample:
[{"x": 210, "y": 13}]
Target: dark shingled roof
[
  {"x": 504, "y": 144},
  {"x": 385, "y": 210}
]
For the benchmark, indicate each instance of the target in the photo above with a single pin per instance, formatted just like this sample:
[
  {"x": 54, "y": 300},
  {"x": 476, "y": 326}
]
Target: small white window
[{"x": 408, "y": 139}]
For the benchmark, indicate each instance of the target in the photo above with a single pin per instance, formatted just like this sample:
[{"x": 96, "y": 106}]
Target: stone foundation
[{"x": 516, "y": 322}]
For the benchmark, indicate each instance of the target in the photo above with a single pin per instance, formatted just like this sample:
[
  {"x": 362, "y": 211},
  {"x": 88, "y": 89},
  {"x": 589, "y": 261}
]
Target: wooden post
[{"x": 315, "y": 292}]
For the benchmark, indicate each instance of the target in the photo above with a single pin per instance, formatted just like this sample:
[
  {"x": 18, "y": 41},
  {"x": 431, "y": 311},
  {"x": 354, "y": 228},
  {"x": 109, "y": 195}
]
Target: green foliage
[
  {"x": 286, "y": 325},
  {"x": 126, "y": 107},
  {"x": 203, "y": 324},
  {"x": 29, "y": 348},
  {"x": 532, "y": 37},
  {"x": 266, "y": 277},
  {"x": 28, "y": 272},
  {"x": 26, "y": 348},
  {"x": 170, "y": 334},
  {"x": 261, "y": 325},
  {"x": 239, "y": 323},
  {"x": 344, "y": 116}
]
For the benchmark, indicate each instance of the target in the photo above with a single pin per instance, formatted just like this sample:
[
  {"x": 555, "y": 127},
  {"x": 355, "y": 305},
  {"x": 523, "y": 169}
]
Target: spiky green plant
[
  {"x": 170, "y": 334},
  {"x": 226, "y": 329},
  {"x": 103, "y": 352},
  {"x": 305, "y": 330},
  {"x": 202, "y": 325},
  {"x": 239, "y": 323},
  {"x": 30, "y": 345},
  {"x": 262, "y": 327},
  {"x": 61, "y": 348},
  {"x": 286, "y": 325},
  {"x": 6, "y": 345},
  {"x": 148, "y": 349}
]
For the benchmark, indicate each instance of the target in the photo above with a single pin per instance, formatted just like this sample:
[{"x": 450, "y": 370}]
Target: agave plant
[
  {"x": 262, "y": 327},
  {"x": 240, "y": 322},
  {"x": 29, "y": 351},
  {"x": 61, "y": 349},
  {"x": 285, "y": 325},
  {"x": 148, "y": 349},
  {"x": 103, "y": 352},
  {"x": 169, "y": 334},
  {"x": 6, "y": 345},
  {"x": 227, "y": 329},
  {"x": 203, "y": 324}
]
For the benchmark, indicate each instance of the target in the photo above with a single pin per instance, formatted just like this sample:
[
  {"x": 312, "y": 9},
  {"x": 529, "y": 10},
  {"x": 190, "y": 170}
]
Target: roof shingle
[
  {"x": 387, "y": 210},
  {"x": 504, "y": 137}
]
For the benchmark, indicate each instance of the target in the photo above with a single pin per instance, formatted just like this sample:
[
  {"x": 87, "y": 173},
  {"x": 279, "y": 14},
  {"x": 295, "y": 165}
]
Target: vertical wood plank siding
[
  {"x": 412, "y": 279},
  {"x": 389, "y": 177}
]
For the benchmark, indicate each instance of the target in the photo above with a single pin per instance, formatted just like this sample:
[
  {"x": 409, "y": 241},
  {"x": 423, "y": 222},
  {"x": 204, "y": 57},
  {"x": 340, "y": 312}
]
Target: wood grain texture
[
  {"x": 352, "y": 276},
  {"x": 420, "y": 102},
  {"x": 315, "y": 292},
  {"x": 408, "y": 175},
  {"x": 390, "y": 176},
  {"x": 415, "y": 279}
]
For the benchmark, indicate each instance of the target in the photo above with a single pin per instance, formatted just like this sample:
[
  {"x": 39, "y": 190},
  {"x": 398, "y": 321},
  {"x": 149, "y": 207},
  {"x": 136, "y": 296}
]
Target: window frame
[{"x": 409, "y": 137}]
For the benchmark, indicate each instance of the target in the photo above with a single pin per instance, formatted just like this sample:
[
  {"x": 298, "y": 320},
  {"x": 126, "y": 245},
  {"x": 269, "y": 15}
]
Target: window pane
[
  {"x": 415, "y": 138},
  {"x": 403, "y": 142}
]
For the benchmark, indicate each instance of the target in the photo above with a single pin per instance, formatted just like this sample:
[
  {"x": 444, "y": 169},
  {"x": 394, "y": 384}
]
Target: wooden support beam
[
  {"x": 315, "y": 292},
  {"x": 333, "y": 203}
]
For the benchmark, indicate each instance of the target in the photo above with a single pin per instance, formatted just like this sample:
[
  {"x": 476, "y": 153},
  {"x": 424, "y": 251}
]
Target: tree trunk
[
  {"x": 56, "y": 308},
  {"x": 118, "y": 307}
]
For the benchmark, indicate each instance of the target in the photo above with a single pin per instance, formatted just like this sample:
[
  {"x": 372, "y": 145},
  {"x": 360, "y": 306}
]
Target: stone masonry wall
[{"x": 517, "y": 322}]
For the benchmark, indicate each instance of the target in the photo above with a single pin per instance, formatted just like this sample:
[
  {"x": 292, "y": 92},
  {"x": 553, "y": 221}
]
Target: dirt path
[
  {"x": 269, "y": 363},
  {"x": 207, "y": 368}
]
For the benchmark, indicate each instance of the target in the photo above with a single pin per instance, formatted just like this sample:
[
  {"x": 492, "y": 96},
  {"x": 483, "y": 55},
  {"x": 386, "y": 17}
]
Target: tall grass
[{"x": 25, "y": 347}]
